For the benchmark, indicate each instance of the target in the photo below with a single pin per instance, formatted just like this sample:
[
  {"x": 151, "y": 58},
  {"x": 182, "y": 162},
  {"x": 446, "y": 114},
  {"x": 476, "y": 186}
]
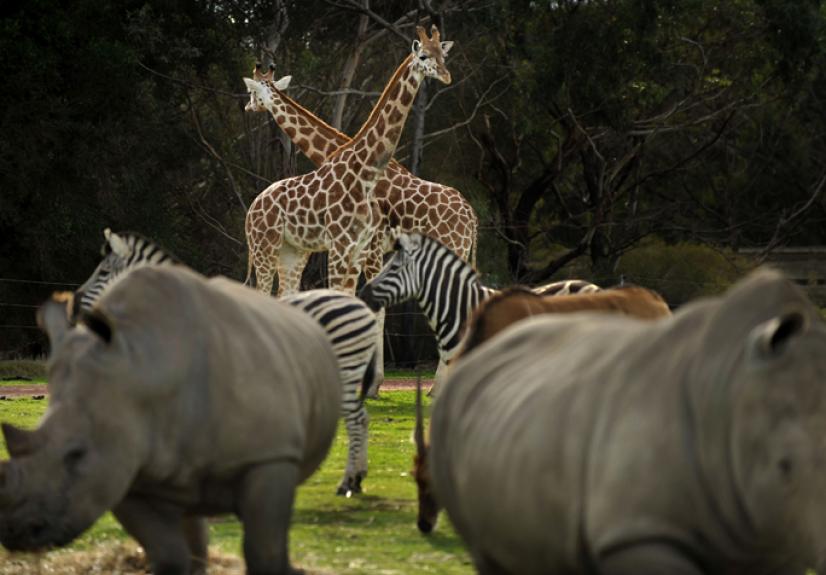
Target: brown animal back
[{"x": 515, "y": 304}]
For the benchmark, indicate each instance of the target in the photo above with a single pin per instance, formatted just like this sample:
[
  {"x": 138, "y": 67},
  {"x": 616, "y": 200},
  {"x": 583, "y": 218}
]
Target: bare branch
[
  {"x": 216, "y": 155},
  {"x": 348, "y": 91},
  {"x": 356, "y": 6},
  {"x": 793, "y": 219}
]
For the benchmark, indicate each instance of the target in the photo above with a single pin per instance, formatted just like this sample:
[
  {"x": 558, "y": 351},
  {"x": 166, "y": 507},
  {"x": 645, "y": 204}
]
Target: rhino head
[
  {"x": 81, "y": 459},
  {"x": 760, "y": 409}
]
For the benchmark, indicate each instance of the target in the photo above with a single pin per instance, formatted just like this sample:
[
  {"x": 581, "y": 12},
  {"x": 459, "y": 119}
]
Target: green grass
[
  {"x": 374, "y": 532},
  {"x": 409, "y": 373}
]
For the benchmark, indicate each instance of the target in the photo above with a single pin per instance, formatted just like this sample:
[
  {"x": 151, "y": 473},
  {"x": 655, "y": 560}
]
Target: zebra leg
[{"x": 355, "y": 418}]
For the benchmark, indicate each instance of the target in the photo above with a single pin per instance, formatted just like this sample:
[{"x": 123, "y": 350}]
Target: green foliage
[
  {"x": 682, "y": 272},
  {"x": 578, "y": 125},
  {"x": 27, "y": 368},
  {"x": 370, "y": 533}
]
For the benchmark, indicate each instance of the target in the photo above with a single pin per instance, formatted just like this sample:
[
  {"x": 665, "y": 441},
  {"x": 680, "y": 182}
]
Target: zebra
[
  {"x": 350, "y": 325},
  {"x": 446, "y": 288}
]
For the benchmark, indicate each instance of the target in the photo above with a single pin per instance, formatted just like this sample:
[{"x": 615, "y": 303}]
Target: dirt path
[
  {"x": 27, "y": 390},
  {"x": 34, "y": 389}
]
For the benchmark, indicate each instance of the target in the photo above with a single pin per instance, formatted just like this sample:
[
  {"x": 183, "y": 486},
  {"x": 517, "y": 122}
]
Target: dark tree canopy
[{"x": 578, "y": 129}]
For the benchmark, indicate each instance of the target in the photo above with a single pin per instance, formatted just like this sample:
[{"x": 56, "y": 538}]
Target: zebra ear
[
  {"x": 119, "y": 247},
  {"x": 403, "y": 241}
]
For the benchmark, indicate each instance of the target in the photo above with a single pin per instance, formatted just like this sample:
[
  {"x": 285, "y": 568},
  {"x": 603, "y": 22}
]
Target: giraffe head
[
  {"x": 262, "y": 88},
  {"x": 429, "y": 55}
]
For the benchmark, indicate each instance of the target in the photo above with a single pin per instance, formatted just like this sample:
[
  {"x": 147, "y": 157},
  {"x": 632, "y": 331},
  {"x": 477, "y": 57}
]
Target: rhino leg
[
  {"x": 196, "y": 532},
  {"x": 158, "y": 529},
  {"x": 485, "y": 565},
  {"x": 356, "y": 422},
  {"x": 265, "y": 504},
  {"x": 649, "y": 558}
]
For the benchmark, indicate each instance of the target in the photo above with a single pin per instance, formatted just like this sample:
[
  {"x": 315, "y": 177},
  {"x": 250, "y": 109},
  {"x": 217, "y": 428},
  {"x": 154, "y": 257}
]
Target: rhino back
[
  {"x": 504, "y": 433},
  {"x": 230, "y": 377}
]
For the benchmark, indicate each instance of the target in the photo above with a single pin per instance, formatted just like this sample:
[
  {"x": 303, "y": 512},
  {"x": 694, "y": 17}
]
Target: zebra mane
[
  {"x": 137, "y": 241},
  {"x": 437, "y": 245}
]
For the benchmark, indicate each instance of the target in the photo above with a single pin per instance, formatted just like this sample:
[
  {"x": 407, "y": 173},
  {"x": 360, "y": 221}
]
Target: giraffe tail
[
  {"x": 248, "y": 279},
  {"x": 474, "y": 243}
]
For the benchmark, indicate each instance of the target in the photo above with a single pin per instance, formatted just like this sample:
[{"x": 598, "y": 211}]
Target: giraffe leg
[
  {"x": 378, "y": 377},
  {"x": 343, "y": 267},
  {"x": 372, "y": 268},
  {"x": 291, "y": 264},
  {"x": 264, "y": 238},
  {"x": 265, "y": 269}
]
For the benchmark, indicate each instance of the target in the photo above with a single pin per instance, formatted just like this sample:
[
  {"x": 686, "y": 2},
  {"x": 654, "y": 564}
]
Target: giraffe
[
  {"x": 405, "y": 201},
  {"x": 332, "y": 208}
]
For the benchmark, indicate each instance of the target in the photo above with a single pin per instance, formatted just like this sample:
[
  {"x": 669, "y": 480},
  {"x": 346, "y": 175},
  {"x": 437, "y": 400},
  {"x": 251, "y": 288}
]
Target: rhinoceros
[
  {"x": 593, "y": 444},
  {"x": 175, "y": 398}
]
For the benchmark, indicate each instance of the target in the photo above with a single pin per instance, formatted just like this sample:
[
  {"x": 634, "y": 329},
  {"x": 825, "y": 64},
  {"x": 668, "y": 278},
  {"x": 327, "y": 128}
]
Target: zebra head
[
  {"x": 400, "y": 278},
  {"x": 121, "y": 253}
]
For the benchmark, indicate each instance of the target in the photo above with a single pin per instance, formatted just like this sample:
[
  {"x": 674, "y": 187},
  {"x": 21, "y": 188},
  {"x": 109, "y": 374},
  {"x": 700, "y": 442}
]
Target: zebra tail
[{"x": 369, "y": 376}]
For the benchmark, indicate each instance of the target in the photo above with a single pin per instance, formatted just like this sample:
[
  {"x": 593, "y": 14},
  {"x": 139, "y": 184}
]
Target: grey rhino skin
[
  {"x": 593, "y": 444},
  {"x": 178, "y": 397}
]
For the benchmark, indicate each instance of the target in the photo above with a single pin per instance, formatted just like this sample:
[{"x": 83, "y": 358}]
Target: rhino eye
[{"x": 73, "y": 457}]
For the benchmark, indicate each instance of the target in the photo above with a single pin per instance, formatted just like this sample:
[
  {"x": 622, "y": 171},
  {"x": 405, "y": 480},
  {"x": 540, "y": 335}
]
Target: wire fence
[{"x": 409, "y": 341}]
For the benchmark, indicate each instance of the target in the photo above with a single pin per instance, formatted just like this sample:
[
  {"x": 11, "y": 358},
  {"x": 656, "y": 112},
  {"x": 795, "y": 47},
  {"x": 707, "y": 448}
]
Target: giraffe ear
[
  {"x": 119, "y": 247},
  {"x": 446, "y": 46},
  {"x": 252, "y": 85},
  {"x": 417, "y": 46},
  {"x": 283, "y": 83}
]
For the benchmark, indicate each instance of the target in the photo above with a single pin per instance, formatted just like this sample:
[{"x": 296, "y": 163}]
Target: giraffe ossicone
[{"x": 333, "y": 208}]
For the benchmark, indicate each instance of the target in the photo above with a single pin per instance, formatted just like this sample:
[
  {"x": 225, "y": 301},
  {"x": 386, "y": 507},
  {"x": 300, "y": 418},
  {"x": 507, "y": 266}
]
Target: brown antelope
[
  {"x": 514, "y": 304},
  {"x": 428, "y": 507}
]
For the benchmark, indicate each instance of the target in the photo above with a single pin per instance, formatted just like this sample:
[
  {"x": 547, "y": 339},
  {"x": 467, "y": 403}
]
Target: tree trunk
[{"x": 350, "y": 66}]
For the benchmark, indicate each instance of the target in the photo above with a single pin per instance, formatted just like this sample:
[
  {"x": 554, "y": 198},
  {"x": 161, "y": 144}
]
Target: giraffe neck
[
  {"x": 376, "y": 141},
  {"x": 313, "y": 136}
]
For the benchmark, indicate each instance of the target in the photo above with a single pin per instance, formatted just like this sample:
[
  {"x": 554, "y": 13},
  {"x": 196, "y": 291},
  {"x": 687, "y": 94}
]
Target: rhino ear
[
  {"x": 20, "y": 442},
  {"x": 53, "y": 316},
  {"x": 98, "y": 323},
  {"x": 771, "y": 338}
]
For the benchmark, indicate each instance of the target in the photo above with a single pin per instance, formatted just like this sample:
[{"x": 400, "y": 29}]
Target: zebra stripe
[
  {"x": 121, "y": 252},
  {"x": 446, "y": 288},
  {"x": 350, "y": 325}
]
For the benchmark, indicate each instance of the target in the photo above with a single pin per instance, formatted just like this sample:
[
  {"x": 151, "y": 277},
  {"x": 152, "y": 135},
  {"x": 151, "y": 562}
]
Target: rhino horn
[
  {"x": 21, "y": 442},
  {"x": 53, "y": 316},
  {"x": 418, "y": 432}
]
